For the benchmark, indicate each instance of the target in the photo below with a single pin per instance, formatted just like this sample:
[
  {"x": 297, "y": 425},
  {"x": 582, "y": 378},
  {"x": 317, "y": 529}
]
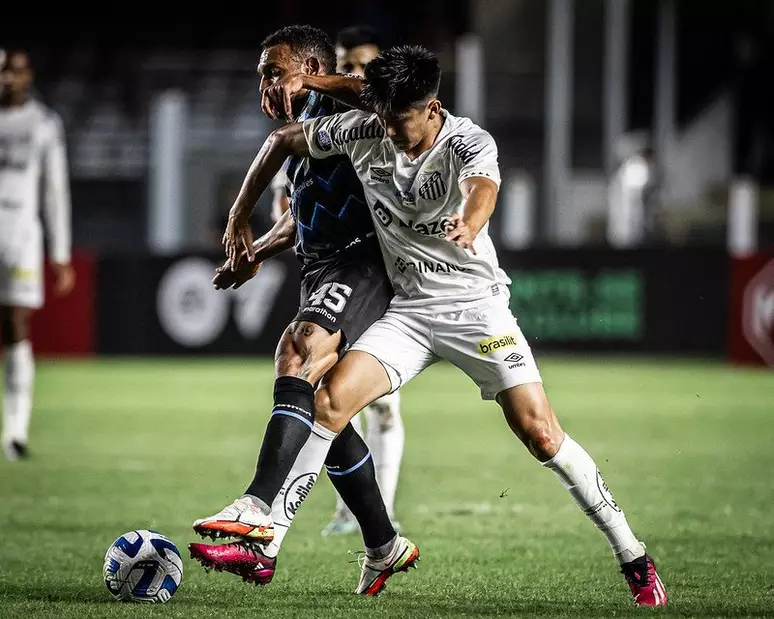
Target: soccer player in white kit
[
  {"x": 431, "y": 180},
  {"x": 32, "y": 149}
]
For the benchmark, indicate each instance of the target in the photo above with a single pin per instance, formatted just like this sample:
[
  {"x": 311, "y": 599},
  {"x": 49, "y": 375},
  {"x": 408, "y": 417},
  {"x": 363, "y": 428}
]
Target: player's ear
[
  {"x": 434, "y": 108},
  {"x": 311, "y": 66}
]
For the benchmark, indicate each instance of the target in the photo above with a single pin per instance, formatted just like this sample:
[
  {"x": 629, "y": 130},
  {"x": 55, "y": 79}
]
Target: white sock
[
  {"x": 298, "y": 484},
  {"x": 385, "y": 437},
  {"x": 17, "y": 397},
  {"x": 579, "y": 474},
  {"x": 341, "y": 511}
]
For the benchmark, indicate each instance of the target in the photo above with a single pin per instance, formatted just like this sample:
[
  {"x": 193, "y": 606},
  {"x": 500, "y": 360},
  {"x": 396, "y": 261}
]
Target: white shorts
[
  {"x": 21, "y": 273},
  {"x": 485, "y": 342}
]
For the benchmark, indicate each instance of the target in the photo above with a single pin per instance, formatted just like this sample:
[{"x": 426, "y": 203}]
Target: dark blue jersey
[{"x": 327, "y": 201}]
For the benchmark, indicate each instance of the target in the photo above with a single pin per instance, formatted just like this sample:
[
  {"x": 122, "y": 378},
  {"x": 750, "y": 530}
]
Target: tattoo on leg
[{"x": 306, "y": 330}]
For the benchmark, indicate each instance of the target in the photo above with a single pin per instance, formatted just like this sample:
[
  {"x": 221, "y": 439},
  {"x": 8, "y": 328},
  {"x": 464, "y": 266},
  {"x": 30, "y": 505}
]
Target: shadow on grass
[{"x": 203, "y": 601}]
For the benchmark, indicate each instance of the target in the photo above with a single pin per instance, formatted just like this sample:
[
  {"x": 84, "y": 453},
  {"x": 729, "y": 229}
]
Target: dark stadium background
[{"x": 153, "y": 389}]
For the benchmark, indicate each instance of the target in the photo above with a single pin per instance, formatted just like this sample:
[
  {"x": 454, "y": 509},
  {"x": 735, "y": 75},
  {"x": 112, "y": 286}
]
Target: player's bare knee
[
  {"x": 540, "y": 428},
  {"x": 544, "y": 440},
  {"x": 328, "y": 411}
]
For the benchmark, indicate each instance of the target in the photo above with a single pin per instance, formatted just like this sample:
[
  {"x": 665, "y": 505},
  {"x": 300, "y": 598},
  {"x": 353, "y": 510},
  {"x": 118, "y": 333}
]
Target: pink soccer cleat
[
  {"x": 240, "y": 558},
  {"x": 644, "y": 582}
]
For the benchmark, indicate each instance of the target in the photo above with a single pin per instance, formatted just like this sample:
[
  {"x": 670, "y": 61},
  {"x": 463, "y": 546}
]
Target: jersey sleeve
[
  {"x": 347, "y": 133},
  {"x": 57, "y": 192},
  {"x": 477, "y": 155}
]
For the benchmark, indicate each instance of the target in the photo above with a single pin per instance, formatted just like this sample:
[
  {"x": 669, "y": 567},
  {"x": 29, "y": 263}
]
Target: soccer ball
[{"x": 143, "y": 566}]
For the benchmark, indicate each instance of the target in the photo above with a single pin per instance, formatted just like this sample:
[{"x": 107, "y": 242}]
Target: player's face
[
  {"x": 275, "y": 63},
  {"x": 407, "y": 129},
  {"x": 16, "y": 74},
  {"x": 354, "y": 60}
]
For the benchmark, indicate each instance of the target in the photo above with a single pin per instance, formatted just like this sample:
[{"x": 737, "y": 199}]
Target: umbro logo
[
  {"x": 380, "y": 175},
  {"x": 515, "y": 359}
]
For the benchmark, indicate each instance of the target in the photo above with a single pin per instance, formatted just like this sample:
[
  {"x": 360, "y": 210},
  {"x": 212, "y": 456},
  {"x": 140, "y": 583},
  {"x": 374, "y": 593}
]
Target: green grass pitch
[{"x": 687, "y": 449}]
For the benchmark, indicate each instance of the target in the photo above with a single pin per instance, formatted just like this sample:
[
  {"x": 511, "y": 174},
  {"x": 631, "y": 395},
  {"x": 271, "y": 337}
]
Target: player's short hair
[
  {"x": 359, "y": 34},
  {"x": 306, "y": 40},
  {"x": 400, "y": 78}
]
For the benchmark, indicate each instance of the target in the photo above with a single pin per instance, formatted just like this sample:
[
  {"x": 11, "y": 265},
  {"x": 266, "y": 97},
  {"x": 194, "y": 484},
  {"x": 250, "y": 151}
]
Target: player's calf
[
  {"x": 531, "y": 418},
  {"x": 351, "y": 470}
]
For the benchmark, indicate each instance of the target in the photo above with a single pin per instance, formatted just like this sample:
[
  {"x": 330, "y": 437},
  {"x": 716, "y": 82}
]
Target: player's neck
[
  {"x": 428, "y": 141},
  {"x": 299, "y": 102},
  {"x": 14, "y": 100}
]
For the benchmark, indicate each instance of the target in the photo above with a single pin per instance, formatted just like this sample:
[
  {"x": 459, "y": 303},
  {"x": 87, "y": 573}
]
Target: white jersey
[
  {"x": 32, "y": 154},
  {"x": 411, "y": 202}
]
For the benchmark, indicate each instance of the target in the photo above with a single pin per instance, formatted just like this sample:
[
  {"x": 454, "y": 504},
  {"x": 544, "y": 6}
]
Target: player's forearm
[
  {"x": 345, "y": 88},
  {"x": 480, "y": 202},
  {"x": 289, "y": 140},
  {"x": 281, "y": 237},
  {"x": 57, "y": 208}
]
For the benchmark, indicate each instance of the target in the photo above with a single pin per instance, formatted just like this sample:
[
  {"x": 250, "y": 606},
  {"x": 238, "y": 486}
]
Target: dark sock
[
  {"x": 286, "y": 433},
  {"x": 351, "y": 470}
]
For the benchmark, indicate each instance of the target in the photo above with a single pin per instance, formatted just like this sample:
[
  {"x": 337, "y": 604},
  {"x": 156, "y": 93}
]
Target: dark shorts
[{"x": 345, "y": 295}]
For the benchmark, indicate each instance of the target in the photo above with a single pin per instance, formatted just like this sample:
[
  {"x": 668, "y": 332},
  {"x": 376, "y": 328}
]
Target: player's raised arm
[
  {"x": 57, "y": 207},
  {"x": 238, "y": 237},
  {"x": 277, "y": 99}
]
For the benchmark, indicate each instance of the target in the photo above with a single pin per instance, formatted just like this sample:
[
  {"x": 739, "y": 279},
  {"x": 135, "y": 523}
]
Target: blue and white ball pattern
[{"x": 143, "y": 566}]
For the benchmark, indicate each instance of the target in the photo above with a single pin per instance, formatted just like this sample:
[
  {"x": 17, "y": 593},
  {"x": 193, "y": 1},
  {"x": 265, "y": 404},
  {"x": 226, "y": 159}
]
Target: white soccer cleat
[
  {"x": 374, "y": 574},
  {"x": 240, "y": 519}
]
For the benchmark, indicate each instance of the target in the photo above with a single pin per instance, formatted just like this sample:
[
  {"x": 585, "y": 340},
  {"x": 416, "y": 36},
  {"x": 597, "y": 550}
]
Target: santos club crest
[{"x": 432, "y": 186}]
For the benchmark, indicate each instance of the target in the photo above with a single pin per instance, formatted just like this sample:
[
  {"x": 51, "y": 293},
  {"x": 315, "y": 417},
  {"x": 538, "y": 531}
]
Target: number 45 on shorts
[{"x": 332, "y": 295}]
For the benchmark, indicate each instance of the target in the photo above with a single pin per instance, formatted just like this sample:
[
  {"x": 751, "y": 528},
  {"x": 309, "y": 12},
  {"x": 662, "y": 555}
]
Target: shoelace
[{"x": 360, "y": 557}]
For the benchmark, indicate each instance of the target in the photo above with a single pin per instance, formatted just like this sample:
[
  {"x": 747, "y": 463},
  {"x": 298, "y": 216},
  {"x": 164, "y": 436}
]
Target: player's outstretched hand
[
  {"x": 64, "y": 275},
  {"x": 238, "y": 240},
  {"x": 277, "y": 99},
  {"x": 226, "y": 278},
  {"x": 459, "y": 233}
]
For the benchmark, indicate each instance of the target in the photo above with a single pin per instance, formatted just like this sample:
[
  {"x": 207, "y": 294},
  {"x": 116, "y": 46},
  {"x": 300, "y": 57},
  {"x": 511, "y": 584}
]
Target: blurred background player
[
  {"x": 32, "y": 149},
  {"x": 356, "y": 46}
]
